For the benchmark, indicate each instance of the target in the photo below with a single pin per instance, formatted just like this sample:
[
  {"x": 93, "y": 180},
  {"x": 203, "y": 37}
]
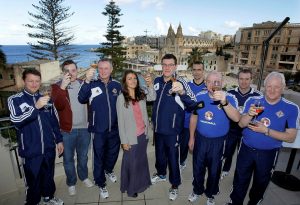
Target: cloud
[
  {"x": 157, "y": 3},
  {"x": 232, "y": 24},
  {"x": 193, "y": 31},
  {"x": 160, "y": 25}
]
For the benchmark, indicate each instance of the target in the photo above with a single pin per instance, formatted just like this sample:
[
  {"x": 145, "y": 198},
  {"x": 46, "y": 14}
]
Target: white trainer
[
  {"x": 53, "y": 201},
  {"x": 193, "y": 197},
  {"x": 104, "y": 193},
  {"x": 88, "y": 183},
  {"x": 72, "y": 190},
  {"x": 210, "y": 201},
  {"x": 112, "y": 177},
  {"x": 158, "y": 178},
  {"x": 173, "y": 194},
  {"x": 182, "y": 167},
  {"x": 224, "y": 174}
]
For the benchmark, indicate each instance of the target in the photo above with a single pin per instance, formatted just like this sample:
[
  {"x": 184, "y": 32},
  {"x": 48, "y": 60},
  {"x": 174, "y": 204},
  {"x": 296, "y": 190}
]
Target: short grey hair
[
  {"x": 106, "y": 60},
  {"x": 214, "y": 73},
  {"x": 277, "y": 75}
]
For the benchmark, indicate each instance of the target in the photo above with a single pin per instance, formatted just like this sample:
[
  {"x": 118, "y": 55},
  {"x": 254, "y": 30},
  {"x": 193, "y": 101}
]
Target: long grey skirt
[{"x": 135, "y": 175}]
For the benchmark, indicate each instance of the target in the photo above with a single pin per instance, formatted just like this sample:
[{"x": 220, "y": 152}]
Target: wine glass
[
  {"x": 216, "y": 86},
  {"x": 142, "y": 81},
  {"x": 96, "y": 74},
  {"x": 173, "y": 79},
  {"x": 66, "y": 71},
  {"x": 45, "y": 90},
  {"x": 258, "y": 105}
]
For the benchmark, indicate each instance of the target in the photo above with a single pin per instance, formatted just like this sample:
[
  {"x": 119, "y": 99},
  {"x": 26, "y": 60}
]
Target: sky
[{"x": 89, "y": 24}]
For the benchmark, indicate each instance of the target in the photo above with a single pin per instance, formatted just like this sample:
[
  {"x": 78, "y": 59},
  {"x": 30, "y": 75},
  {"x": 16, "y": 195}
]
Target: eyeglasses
[{"x": 168, "y": 65}]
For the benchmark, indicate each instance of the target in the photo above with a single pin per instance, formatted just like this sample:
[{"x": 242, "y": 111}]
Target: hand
[
  {"x": 252, "y": 111},
  {"x": 219, "y": 96},
  {"x": 126, "y": 147},
  {"x": 89, "y": 74},
  {"x": 148, "y": 80},
  {"x": 60, "y": 148},
  {"x": 42, "y": 101},
  {"x": 191, "y": 144},
  {"x": 258, "y": 127},
  {"x": 65, "y": 81},
  {"x": 177, "y": 87}
]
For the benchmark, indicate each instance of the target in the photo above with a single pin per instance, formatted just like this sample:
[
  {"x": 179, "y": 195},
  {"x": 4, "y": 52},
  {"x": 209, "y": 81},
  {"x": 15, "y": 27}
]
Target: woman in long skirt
[{"x": 133, "y": 128}]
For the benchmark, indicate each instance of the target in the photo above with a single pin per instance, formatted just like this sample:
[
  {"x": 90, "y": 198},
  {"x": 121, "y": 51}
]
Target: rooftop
[{"x": 158, "y": 194}]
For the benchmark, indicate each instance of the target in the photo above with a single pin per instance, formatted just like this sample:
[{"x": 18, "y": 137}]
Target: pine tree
[
  {"x": 53, "y": 39},
  {"x": 112, "y": 48},
  {"x": 2, "y": 58}
]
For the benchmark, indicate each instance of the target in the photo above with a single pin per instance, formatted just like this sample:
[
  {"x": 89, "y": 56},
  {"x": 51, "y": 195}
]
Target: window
[
  {"x": 290, "y": 32},
  {"x": 257, "y": 32},
  {"x": 286, "y": 49},
  {"x": 11, "y": 76},
  {"x": 256, "y": 39},
  {"x": 288, "y": 40},
  {"x": 1, "y": 76}
]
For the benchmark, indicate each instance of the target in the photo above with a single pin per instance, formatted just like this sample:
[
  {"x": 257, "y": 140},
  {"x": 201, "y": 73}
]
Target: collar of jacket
[{"x": 28, "y": 93}]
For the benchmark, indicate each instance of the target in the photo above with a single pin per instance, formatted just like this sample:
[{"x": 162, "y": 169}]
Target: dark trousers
[
  {"x": 106, "y": 150},
  {"x": 39, "y": 176},
  {"x": 184, "y": 144},
  {"x": 207, "y": 154},
  {"x": 232, "y": 142},
  {"x": 167, "y": 154},
  {"x": 258, "y": 163}
]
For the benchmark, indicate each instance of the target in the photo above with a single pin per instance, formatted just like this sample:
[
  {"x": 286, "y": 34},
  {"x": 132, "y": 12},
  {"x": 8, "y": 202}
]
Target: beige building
[
  {"x": 149, "y": 56},
  {"x": 133, "y": 50},
  {"x": 214, "y": 62},
  {"x": 181, "y": 45},
  {"x": 283, "y": 53}
]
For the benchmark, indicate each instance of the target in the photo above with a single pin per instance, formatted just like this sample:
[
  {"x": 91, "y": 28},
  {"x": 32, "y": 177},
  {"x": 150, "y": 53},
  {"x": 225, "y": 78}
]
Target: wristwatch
[{"x": 226, "y": 103}]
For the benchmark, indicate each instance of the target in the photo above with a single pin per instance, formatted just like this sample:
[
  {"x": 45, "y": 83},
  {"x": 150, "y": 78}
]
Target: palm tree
[{"x": 195, "y": 55}]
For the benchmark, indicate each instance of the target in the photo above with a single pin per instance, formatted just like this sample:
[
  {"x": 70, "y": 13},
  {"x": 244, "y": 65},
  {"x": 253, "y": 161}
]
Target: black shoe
[{"x": 135, "y": 195}]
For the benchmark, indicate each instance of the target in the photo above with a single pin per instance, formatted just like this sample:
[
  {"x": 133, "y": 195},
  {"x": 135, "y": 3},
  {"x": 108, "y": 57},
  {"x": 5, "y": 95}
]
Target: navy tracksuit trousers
[
  {"x": 233, "y": 140},
  {"x": 207, "y": 154},
  {"x": 106, "y": 148},
  {"x": 184, "y": 144},
  {"x": 167, "y": 154},
  {"x": 258, "y": 163},
  {"x": 39, "y": 176}
]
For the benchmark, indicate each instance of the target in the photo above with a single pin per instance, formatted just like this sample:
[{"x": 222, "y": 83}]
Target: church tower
[
  {"x": 170, "y": 36},
  {"x": 179, "y": 36}
]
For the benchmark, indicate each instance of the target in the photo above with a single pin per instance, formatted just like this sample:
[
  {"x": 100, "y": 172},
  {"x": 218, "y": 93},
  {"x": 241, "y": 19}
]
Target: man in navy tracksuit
[
  {"x": 196, "y": 85},
  {"x": 102, "y": 96},
  {"x": 261, "y": 141},
  {"x": 242, "y": 93},
  {"x": 37, "y": 131},
  {"x": 168, "y": 118},
  {"x": 208, "y": 129}
]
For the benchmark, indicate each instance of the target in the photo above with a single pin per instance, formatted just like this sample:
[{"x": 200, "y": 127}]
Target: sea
[{"x": 18, "y": 54}]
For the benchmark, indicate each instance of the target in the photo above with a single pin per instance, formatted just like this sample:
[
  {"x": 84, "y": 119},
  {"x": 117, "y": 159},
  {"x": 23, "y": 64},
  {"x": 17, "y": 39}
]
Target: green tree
[
  {"x": 52, "y": 38},
  {"x": 112, "y": 48},
  {"x": 195, "y": 55},
  {"x": 2, "y": 58}
]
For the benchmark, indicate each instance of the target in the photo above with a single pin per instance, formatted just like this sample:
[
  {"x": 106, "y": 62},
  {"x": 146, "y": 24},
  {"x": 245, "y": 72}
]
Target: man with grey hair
[
  {"x": 209, "y": 126},
  {"x": 101, "y": 94},
  {"x": 261, "y": 141}
]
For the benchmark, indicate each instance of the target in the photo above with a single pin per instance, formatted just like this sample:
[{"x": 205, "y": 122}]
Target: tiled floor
[{"x": 158, "y": 194}]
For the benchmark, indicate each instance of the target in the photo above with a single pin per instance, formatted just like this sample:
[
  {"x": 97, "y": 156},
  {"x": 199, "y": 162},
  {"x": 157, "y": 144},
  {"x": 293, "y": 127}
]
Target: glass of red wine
[{"x": 258, "y": 105}]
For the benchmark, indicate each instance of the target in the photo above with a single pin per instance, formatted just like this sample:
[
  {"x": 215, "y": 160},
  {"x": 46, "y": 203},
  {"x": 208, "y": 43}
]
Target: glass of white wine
[{"x": 45, "y": 90}]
